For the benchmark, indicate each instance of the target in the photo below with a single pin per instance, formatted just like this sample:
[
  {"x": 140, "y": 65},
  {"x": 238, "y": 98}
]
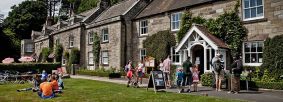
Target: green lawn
[{"x": 79, "y": 90}]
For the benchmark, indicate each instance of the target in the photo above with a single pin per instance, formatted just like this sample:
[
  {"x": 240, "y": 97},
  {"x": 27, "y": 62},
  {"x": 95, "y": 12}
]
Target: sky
[{"x": 5, "y": 6}]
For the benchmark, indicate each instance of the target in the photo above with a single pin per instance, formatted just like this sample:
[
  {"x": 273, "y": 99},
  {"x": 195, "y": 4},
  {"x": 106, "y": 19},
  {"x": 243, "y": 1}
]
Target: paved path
[{"x": 258, "y": 96}]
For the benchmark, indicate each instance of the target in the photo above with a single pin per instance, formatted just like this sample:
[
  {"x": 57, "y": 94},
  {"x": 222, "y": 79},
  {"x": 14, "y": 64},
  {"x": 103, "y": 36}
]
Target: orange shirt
[
  {"x": 46, "y": 88},
  {"x": 55, "y": 85}
]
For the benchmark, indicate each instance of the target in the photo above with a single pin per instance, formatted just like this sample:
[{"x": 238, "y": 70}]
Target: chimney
[
  {"x": 104, "y": 3},
  {"x": 49, "y": 21}
]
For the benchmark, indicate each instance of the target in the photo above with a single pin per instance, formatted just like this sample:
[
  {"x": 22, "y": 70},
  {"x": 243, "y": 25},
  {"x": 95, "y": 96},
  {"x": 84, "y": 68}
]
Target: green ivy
[
  {"x": 74, "y": 57},
  {"x": 96, "y": 49},
  {"x": 272, "y": 56},
  {"x": 158, "y": 45},
  {"x": 58, "y": 52},
  {"x": 45, "y": 53}
]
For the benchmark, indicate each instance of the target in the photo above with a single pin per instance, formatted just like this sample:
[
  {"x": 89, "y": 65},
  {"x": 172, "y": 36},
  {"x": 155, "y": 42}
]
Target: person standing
[
  {"x": 141, "y": 70},
  {"x": 237, "y": 68},
  {"x": 217, "y": 68},
  {"x": 180, "y": 79},
  {"x": 195, "y": 75},
  {"x": 167, "y": 67},
  {"x": 161, "y": 65},
  {"x": 188, "y": 73}
]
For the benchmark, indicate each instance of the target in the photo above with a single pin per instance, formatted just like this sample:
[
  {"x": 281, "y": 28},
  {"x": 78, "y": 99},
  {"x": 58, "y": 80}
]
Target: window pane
[
  {"x": 246, "y": 4},
  {"x": 105, "y": 60},
  {"x": 259, "y": 48},
  {"x": 253, "y": 12},
  {"x": 247, "y": 13},
  {"x": 259, "y": 57},
  {"x": 177, "y": 25},
  {"x": 177, "y": 58},
  {"x": 253, "y": 49},
  {"x": 260, "y": 11},
  {"x": 247, "y": 58},
  {"x": 247, "y": 47},
  {"x": 252, "y": 3},
  {"x": 259, "y": 2},
  {"x": 253, "y": 58}
]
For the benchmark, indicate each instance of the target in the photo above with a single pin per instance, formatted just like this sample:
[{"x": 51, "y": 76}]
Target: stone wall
[
  {"x": 64, "y": 38},
  {"x": 39, "y": 45},
  {"x": 113, "y": 46}
]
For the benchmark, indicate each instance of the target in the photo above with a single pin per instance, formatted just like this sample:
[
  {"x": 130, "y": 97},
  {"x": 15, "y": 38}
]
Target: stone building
[{"x": 124, "y": 26}]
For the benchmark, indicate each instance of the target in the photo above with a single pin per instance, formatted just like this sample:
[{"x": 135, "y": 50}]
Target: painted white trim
[
  {"x": 254, "y": 18},
  {"x": 180, "y": 21},
  {"x": 252, "y": 64},
  {"x": 200, "y": 33}
]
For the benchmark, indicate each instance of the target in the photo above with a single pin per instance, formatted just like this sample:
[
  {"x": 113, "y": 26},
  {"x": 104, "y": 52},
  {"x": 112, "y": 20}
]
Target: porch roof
[{"x": 212, "y": 40}]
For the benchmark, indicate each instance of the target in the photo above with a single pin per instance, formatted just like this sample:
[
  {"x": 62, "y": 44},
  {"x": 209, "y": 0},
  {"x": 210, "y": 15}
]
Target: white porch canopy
[{"x": 201, "y": 46}]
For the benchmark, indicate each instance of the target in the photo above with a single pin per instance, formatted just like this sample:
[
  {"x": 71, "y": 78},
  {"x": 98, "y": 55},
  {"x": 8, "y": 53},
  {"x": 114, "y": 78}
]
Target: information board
[{"x": 156, "y": 80}]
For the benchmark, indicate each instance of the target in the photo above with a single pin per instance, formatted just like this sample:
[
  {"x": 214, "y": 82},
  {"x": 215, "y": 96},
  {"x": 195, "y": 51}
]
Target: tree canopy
[{"x": 27, "y": 16}]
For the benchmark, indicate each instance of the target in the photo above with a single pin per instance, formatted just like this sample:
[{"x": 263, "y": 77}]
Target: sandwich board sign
[{"x": 156, "y": 80}]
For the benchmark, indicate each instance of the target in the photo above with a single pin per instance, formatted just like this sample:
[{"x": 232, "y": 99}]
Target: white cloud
[{"x": 5, "y": 5}]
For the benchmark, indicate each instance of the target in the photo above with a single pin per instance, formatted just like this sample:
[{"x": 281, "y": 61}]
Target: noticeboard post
[
  {"x": 156, "y": 81},
  {"x": 149, "y": 63}
]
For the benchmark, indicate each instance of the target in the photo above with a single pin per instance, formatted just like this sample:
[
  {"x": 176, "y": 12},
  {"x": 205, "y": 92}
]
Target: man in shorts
[{"x": 217, "y": 69}]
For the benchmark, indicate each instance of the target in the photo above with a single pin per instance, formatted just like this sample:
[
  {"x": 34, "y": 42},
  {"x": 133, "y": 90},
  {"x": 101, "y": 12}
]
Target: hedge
[
  {"x": 24, "y": 67},
  {"x": 99, "y": 73},
  {"x": 206, "y": 79}
]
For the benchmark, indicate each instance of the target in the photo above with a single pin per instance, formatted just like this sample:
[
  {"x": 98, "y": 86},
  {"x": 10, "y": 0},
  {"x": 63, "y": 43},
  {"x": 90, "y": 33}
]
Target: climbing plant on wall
[
  {"x": 58, "y": 52},
  {"x": 228, "y": 27},
  {"x": 158, "y": 45},
  {"x": 96, "y": 48}
]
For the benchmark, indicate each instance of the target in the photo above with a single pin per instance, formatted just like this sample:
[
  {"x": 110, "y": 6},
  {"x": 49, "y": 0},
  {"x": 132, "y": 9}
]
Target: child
[
  {"x": 140, "y": 71},
  {"x": 195, "y": 77},
  {"x": 161, "y": 65},
  {"x": 179, "y": 81},
  {"x": 129, "y": 72}
]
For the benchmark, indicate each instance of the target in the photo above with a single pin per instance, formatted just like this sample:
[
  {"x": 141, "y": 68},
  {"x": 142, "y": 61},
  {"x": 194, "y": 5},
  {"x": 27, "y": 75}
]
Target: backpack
[
  {"x": 217, "y": 66},
  {"x": 126, "y": 69}
]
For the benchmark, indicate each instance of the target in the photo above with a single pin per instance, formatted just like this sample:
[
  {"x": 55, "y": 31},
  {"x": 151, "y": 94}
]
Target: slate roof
[
  {"x": 161, "y": 6},
  {"x": 213, "y": 38},
  {"x": 117, "y": 10}
]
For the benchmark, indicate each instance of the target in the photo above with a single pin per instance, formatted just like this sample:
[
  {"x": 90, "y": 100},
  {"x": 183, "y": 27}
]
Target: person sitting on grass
[
  {"x": 45, "y": 90},
  {"x": 36, "y": 83},
  {"x": 60, "y": 82},
  {"x": 179, "y": 79},
  {"x": 44, "y": 75}
]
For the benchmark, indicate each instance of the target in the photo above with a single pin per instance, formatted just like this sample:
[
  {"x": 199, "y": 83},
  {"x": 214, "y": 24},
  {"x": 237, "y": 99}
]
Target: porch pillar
[{"x": 205, "y": 59}]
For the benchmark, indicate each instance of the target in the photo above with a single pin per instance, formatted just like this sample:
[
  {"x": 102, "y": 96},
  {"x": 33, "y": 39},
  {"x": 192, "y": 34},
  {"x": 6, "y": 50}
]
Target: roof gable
[
  {"x": 213, "y": 41},
  {"x": 117, "y": 10}
]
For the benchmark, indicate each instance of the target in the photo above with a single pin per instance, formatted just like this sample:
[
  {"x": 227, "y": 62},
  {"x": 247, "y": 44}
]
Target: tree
[
  {"x": 158, "y": 45},
  {"x": 58, "y": 52},
  {"x": 45, "y": 53},
  {"x": 27, "y": 16},
  {"x": 96, "y": 49},
  {"x": 87, "y": 5}
]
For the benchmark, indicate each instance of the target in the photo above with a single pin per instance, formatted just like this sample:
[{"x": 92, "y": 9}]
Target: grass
[{"x": 80, "y": 90}]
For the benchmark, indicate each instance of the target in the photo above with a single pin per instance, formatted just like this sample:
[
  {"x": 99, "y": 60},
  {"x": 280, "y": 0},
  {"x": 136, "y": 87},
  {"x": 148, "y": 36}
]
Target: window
[
  {"x": 64, "y": 61},
  {"x": 142, "y": 54},
  {"x": 105, "y": 35},
  {"x": 90, "y": 38},
  {"x": 175, "y": 56},
  {"x": 176, "y": 21},
  {"x": 253, "y": 52},
  {"x": 29, "y": 48},
  {"x": 105, "y": 58},
  {"x": 143, "y": 27},
  {"x": 71, "y": 42},
  {"x": 57, "y": 41},
  {"x": 90, "y": 58},
  {"x": 252, "y": 9}
]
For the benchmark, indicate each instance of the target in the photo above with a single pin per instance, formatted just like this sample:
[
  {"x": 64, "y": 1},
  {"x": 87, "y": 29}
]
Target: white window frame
[
  {"x": 64, "y": 61},
  {"x": 143, "y": 27},
  {"x": 175, "y": 21},
  {"x": 252, "y": 18},
  {"x": 105, "y": 35},
  {"x": 90, "y": 37},
  {"x": 90, "y": 58},
  {"x": 244, "y": 53},
  {"x": 71, "y": 41},
  {"x": 105, "y": 58},
  {"x": 29, "y": 48},
  {"x": 175, "y": 54},
  {"x": 142, "y": 54}
]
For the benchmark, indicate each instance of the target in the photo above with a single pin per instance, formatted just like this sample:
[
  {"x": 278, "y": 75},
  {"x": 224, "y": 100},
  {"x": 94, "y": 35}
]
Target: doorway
[{"x": 198, "y": 57}]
